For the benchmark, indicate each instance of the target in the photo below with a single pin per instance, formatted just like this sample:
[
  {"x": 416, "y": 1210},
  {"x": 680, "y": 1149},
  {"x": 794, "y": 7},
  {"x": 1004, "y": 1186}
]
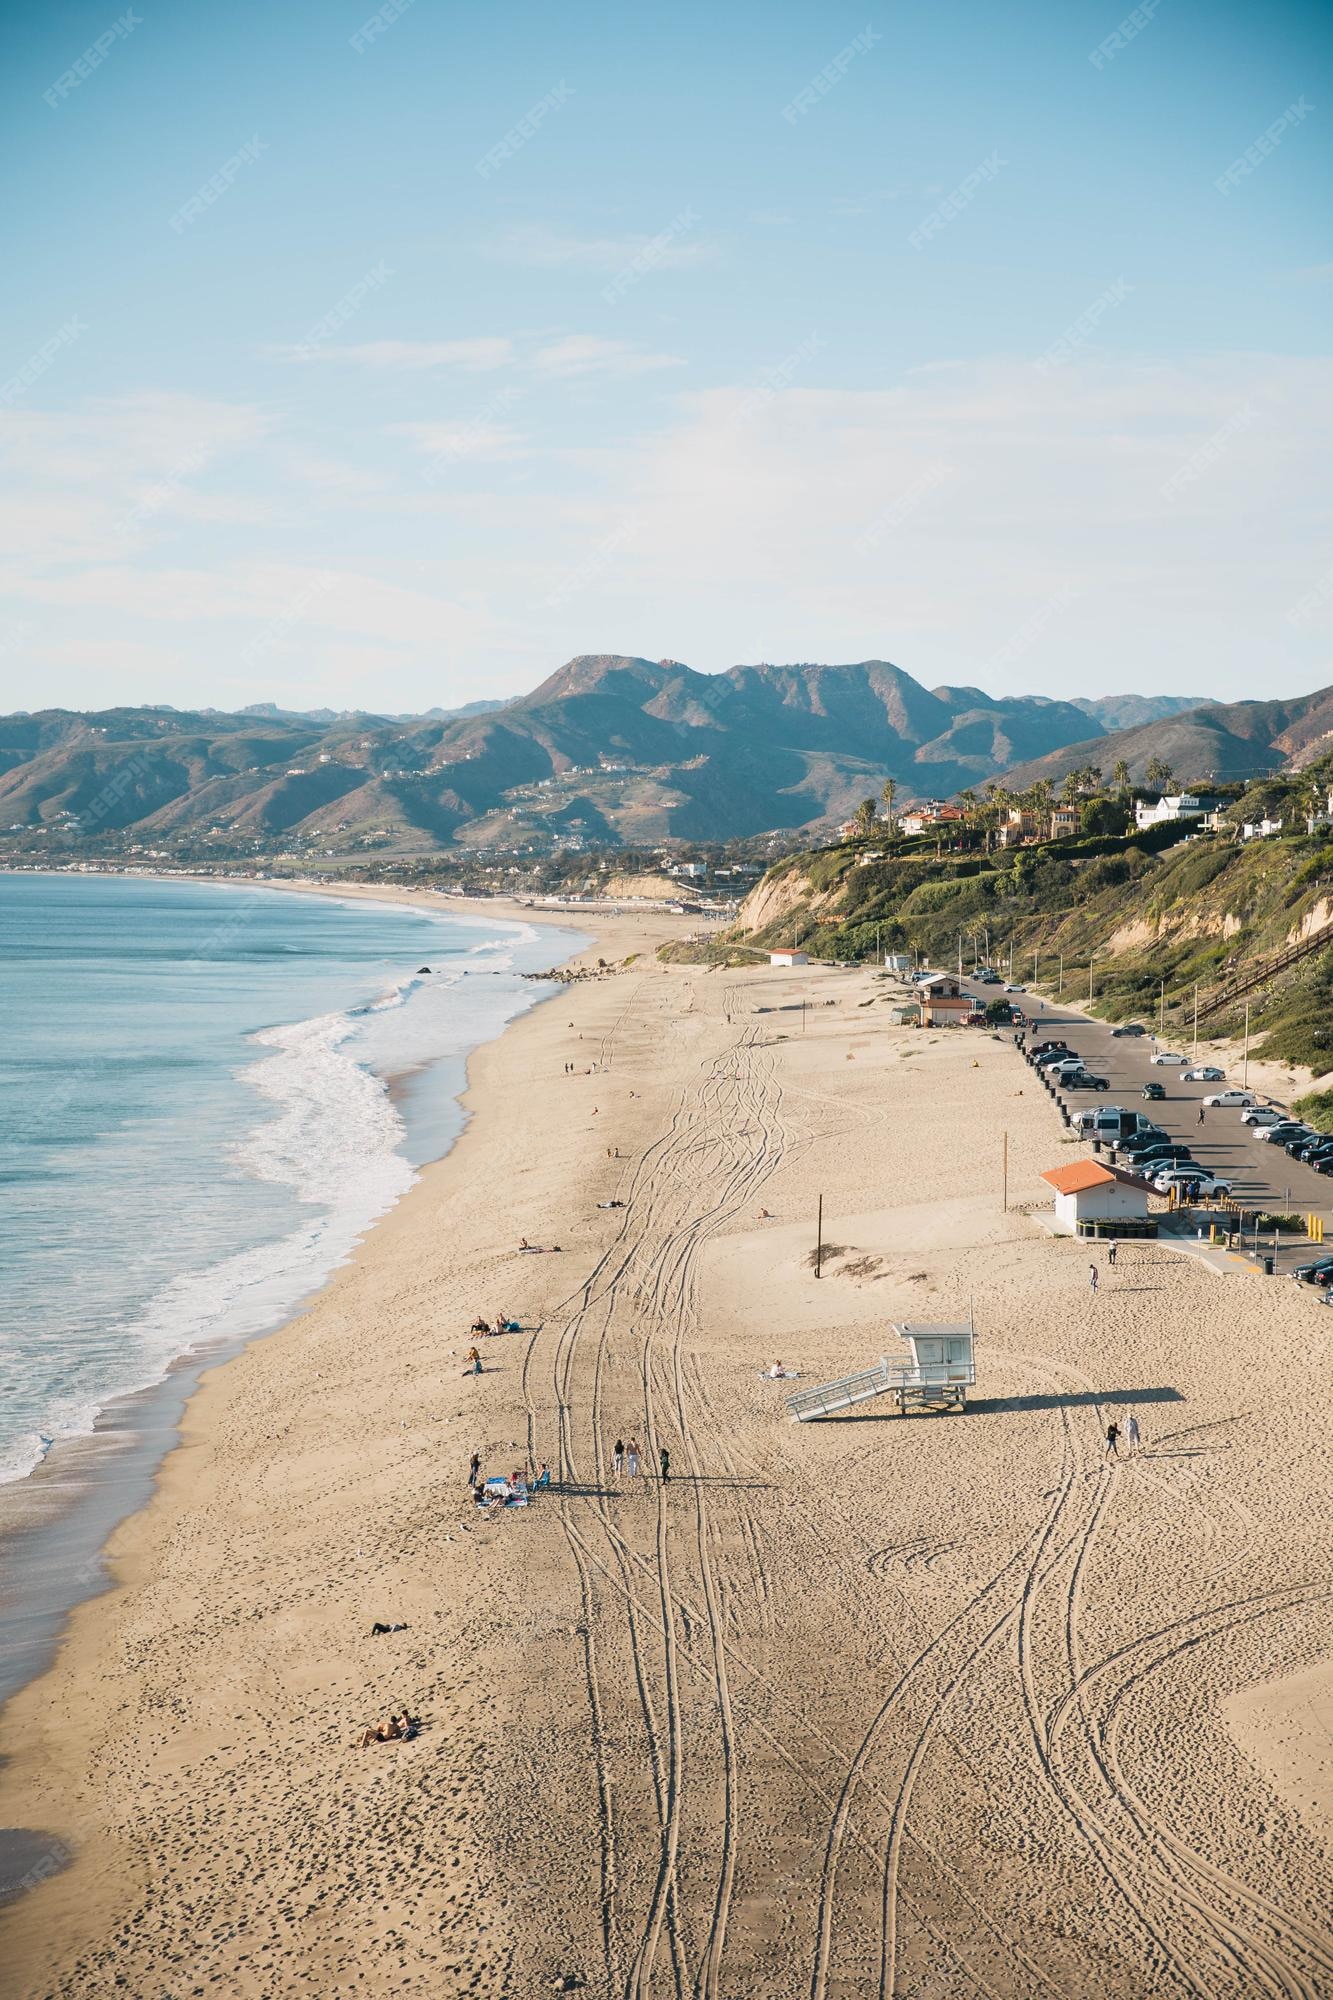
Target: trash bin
[{"x": 1268, "y": 1267}]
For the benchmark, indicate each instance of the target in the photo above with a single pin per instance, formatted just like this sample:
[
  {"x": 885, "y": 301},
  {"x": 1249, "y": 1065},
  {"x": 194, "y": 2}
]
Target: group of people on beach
[
  {"x": 627, "y": 1458},
  {"x": 392, "y": 1729}
]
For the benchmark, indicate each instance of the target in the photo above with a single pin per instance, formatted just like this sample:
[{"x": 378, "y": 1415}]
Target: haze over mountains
[{"x": 609, "y": 749}]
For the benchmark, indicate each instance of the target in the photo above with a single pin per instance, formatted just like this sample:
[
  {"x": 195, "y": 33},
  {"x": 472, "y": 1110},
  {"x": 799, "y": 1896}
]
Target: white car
[
  {"x": 1190, "y": 1177},
  {"x": 1165, "y": 1056},
  {"x": 1231, "y": 1097},
  {"x": 1261, "y": 1114},
  {"x": 1008, "y": 988},
  {"x": 1205, "y": 1075}
]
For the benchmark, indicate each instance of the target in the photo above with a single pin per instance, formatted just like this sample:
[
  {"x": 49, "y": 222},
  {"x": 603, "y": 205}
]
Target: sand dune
[{"x": 881, "y": 1706}]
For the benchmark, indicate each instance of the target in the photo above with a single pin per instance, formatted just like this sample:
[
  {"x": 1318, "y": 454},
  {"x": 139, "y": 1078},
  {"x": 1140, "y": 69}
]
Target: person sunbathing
[
  {"x": 479, "y": 1325},
  {"x": 386, "y": 1731}
]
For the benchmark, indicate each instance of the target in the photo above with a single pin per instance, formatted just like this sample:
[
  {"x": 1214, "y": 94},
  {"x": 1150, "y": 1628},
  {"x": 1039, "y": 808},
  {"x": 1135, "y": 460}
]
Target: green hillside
[{"x": 1149, "y": 916}]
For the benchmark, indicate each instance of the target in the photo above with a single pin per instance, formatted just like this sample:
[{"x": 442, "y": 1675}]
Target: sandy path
[{"x": 874, "y": 1707}]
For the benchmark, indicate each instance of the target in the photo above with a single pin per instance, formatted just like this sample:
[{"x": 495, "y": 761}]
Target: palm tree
[
  {"x": 1158, "y": 774},
  {"x": 1071, "y": 787},
  {"x": 1120, "y": 773},
  {"x": 888, "y": 791},
  {"x": 865, "y": 816}
]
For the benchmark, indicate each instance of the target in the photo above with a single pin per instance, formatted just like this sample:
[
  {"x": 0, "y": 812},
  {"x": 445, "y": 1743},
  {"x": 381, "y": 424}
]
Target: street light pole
[
  {"x": 1091, "y": 956},
  {"x": 1196, "y": 1021},
  {"x": 1161, "y": 1007},
  {"x": 1245, "y": 1069}
]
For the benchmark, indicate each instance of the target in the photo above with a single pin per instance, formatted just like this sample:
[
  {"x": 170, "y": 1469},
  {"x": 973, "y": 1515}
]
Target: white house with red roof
[{"x": 1088, "y": 1193}]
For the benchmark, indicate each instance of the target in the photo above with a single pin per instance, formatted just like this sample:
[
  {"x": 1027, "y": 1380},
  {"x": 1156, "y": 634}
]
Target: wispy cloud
[
  {"x": 473, "y": 356},
  {"x": 544, "y": 248},
  {"x": 468, "y": 437},
  {"x": 591, "y": 354}
]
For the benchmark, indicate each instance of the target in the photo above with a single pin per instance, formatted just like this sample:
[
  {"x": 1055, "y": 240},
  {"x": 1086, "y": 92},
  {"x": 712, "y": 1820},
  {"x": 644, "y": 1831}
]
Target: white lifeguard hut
[{"x": 934, "y": 1369}]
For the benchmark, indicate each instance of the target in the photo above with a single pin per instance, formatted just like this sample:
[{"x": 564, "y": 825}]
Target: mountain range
[{"x": 609, "y": 749}]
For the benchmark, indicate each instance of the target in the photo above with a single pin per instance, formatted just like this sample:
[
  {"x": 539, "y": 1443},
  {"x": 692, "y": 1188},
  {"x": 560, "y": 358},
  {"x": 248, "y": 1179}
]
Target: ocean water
[{"x": 207, "y": 1094}]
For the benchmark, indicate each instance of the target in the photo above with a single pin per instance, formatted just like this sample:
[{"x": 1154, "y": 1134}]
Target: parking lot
[{"x": 1262, "y": 1176}]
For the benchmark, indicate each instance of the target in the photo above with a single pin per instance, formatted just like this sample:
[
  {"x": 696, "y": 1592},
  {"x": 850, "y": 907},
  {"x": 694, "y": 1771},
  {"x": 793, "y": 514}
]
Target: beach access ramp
[{"x": 936, "y": 1370}]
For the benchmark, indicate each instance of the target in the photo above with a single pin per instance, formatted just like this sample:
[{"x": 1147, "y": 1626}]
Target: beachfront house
[
  {"x": 944, "y": 1004},
  {"x": 788, "y": 958},
  {"x": 1064, "y": 821},
  {"x": 1093, "y": 1200}
]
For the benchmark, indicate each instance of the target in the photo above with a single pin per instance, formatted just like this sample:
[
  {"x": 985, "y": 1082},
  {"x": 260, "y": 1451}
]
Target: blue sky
[{"x": 779, "y": 333}]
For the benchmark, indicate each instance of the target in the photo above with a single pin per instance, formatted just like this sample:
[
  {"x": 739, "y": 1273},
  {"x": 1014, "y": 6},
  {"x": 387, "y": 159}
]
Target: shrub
[{"x": 1316, "y": 1108}]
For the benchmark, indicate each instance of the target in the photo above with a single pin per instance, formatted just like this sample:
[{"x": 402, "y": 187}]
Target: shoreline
[{"x": 57, "y": 1519}]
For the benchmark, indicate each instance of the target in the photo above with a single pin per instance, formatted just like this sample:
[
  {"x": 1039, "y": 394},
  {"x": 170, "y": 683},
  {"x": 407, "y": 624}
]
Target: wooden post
[{"x": 819, "y": 1239}]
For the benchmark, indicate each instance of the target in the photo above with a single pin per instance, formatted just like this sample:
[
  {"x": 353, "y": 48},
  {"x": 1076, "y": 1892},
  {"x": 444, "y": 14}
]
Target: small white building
[
  {"x": 1087, "y": 1193},
  {"x": 899, "y": 962},
  {"x": 1260, "y": 829},
  {"x": 788, "y": 958},
  {"x": 1175, "y": 805}
]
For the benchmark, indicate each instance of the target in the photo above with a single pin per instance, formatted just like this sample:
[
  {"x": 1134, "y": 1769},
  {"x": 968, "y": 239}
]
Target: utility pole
[
  {"x": 1161, "y": 1007},
  {"x": 1060, "y": 987},
  {"x": 960, "y": 954},
  {"x": 819, "y": 1239},
  {"x": 1005, "y": 1172},
  {"x": 1245, "y": 1069},
  {"x": 1196, "y": 1021},
  {"x": 1091, "y": 956}
]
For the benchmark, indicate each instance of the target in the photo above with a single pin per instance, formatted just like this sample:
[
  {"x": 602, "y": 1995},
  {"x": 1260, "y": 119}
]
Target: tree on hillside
[
  {"x": 865, "y": 816},
  {"x": 1120, "y": 775},
  {"x": 1158, "y": 774},
  {"x": 1072, "y": 786},
  {"x": 888, "y": 791},
  {"x": 969, "y": 802}
]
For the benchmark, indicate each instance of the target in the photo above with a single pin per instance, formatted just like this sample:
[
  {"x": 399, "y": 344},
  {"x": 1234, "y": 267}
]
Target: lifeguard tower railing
[{"x": 942, "y": 1383}]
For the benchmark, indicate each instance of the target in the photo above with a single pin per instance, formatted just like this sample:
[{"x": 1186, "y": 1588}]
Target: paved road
[{"x": 1261, "y": 1176}]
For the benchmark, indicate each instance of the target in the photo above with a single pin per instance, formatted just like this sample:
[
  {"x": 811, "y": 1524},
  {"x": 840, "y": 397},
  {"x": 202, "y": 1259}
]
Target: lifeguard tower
[{"x": 934, "y": 1369}]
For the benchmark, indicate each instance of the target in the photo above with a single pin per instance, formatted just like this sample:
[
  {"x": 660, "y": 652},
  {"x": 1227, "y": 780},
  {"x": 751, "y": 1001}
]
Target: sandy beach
[{"x": 944, "y": 1704}]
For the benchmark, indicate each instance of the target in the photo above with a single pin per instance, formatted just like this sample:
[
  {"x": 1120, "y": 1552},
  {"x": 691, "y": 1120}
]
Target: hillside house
[
  {"x": 1173, "y": 806},
  {"x": 931, "y": 818},
  {"x": 1261, "y": 829},
  {"x": 1064, "y": 821}
]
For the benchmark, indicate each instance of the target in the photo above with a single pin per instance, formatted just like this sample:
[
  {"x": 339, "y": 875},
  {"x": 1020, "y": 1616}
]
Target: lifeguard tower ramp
[{"x": 938, "y": 1374}]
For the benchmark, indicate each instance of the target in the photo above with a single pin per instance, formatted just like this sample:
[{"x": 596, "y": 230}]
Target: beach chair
[{"x": 541, "y": 1485}]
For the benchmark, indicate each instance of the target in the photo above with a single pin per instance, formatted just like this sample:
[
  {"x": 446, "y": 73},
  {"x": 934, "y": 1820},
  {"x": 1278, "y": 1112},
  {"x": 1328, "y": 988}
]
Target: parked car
[
  {"x": 1221, "y": 1097},
  {"x": 1298, "y": 1139},
  {"x": 1192, "y": 1177},
  {"x": 1262, "y": 1114},
  {"x": 1050, "y": 1048},
  {"x": 1130, "y": 1028},
  {"x": 1156, "y": 1159},
  {"x": 989, "y": 978},
  {"x": 1063, "y": 1066},
  {"x": 1207, "y": 1074},
  {"x": 1137, "y": 1141},
  {"x": 1324, "y": 1164},
  {"x": 1058, "y": 1052},
  {"x": 1164, "y": 1057},
  {"x": 1010, "y": 987},
  {"x": 1278, "y": 1135},
  {"x": 1320, "y": 1272},
  {"x": 1155, "y": 1092},
  {"x": 1311, "y": 1149},
  {"x": 1082, "y": 1079}
]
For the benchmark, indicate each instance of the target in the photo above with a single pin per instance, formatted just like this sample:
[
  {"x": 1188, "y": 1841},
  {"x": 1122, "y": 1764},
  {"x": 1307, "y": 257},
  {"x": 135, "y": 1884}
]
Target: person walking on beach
[
  {"x": 665, "y": 1457},
  {"x": 632, "y": 1457},
  {"x": 474, "y": 1467},
  {"x": 1132, "y": 1433},
  {"x": 618, "y": 1457},
  {"x": 1113, "y": 1440},
  {"x": 1111, "y": 1249},
  {"x": 1092, "y": 1279}
]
